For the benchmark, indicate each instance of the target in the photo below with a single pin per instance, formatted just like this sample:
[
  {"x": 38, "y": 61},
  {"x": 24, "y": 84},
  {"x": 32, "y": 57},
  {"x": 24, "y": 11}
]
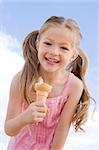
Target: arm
[
  {"x": 16, "y": 119},
  {"x": 13, "y": 122},
  {"x": 66, "y": 115}
]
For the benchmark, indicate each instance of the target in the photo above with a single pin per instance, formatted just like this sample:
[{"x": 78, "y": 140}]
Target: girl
[{"x": 53, "y": 53}]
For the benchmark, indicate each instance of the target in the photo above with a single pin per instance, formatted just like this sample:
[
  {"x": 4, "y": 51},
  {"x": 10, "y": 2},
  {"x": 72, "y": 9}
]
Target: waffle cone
[
  {"x": 41, "y": 96},
  {"x": 42, "y": 91}
]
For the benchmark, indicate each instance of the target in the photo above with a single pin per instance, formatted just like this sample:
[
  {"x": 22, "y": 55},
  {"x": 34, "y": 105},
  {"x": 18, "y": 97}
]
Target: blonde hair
[{"x": 78, "y": 67}]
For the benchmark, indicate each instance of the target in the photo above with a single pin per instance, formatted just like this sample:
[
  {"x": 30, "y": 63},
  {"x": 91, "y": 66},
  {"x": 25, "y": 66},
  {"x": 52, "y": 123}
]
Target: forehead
[{"x": 59, "y": 34}]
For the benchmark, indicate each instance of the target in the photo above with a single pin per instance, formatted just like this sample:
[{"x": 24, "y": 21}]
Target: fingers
[
  {"x": 40, "y": 103},
  {"x": 39, "y": 120},
  {"x": 38, "y": 117},
  {"x": 39, "y": 107},
  {"x": 37, "y": 111},
  {"x": 42, "y": 109}
]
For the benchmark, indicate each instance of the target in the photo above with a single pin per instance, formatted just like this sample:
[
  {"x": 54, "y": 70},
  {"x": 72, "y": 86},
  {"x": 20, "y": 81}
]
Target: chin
[{"x": 50, "y": 69}]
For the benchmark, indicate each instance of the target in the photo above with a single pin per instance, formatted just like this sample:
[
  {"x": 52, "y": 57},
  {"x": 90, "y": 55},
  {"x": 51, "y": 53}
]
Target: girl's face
[{"x": 55, "y": 49}]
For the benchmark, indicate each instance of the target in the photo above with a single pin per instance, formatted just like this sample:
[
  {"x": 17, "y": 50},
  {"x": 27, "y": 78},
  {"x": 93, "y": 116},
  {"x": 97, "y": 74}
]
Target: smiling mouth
[{"x": 51, "y": 61}]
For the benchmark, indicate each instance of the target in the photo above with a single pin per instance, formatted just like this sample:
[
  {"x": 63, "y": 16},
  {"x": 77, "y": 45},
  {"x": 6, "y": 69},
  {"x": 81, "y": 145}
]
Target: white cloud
[
  {"x": 10, "y": 64},
  {"x": 84, "y": 140},
  {"x": 7, "y": 42},
  {"x": 10, "y": 61}
]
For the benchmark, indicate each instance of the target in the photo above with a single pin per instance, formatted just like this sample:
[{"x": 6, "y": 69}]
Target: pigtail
[
  {"x": 79, "y": 68},
  {"x": 80, "y": 65},
  {"x": 30, "y": 70}
]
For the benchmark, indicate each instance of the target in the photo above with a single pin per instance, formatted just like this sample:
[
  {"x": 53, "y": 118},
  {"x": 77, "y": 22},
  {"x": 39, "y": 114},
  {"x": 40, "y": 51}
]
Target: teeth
[{"x": 52, "y": 60}]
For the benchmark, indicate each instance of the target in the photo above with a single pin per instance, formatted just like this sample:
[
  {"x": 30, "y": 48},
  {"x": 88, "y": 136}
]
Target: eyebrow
[
  {"x": 48, "y": 39},
  {"x": 63, "y": 43}
]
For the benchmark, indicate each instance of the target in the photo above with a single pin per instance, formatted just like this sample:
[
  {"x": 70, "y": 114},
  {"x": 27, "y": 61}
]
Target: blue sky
[{"x": 20, "y": 18}]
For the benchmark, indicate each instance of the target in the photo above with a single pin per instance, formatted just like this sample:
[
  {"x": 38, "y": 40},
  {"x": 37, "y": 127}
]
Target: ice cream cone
[{"x": 42, "y": 90}]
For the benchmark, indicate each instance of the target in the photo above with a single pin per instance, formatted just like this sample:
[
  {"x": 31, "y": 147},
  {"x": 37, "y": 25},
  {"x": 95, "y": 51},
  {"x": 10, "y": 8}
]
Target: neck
[{"x": 52, "y": 77}]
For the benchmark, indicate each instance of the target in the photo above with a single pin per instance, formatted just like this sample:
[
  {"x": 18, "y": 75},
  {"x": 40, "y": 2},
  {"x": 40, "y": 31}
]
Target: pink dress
[{"x": 39, "y": 137}]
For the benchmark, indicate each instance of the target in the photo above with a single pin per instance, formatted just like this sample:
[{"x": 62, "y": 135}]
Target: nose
[{"x": 54, "y": 50}]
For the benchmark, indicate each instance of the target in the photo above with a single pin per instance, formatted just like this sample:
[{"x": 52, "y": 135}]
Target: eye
[
  {"x": 47, "y": 43},
  {"x": 64, "y": 48}
]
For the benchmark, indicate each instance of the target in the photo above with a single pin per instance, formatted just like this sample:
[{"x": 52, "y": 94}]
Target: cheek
[
  {"x": 66, "y": 61},
  {"x": 42, "y": 50},
  {"x": 40, "y": 54},
  {"x": 66, "y": 58}
]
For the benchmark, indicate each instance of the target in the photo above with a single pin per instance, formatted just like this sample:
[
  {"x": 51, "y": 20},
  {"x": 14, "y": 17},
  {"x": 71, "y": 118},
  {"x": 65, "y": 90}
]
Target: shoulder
[
  {"x": 16, "y": 80},
  {"x": 76, "y": 87},
  {"x": 76, "y": 82},
  {"x": 15, "y": 85}
]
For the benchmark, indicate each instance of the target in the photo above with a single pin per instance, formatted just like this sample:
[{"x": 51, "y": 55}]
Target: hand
[{"x": 35, "y": 112}]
